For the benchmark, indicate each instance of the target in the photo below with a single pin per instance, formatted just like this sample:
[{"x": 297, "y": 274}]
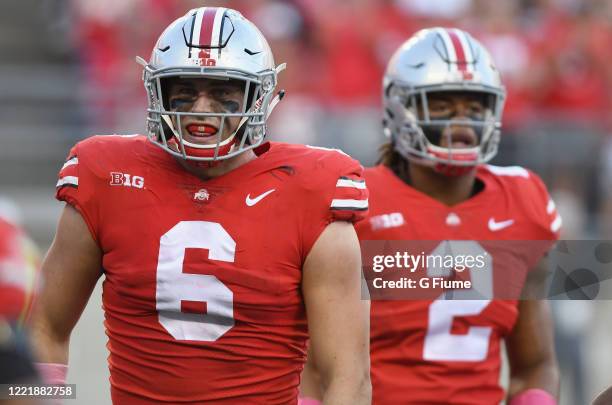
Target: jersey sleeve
[
  {"x": 76, "y": 186},
  {"x": 340, "y": 195},
  {"x": 543, "y": 211},
  {"x": 544, "y": 219}
]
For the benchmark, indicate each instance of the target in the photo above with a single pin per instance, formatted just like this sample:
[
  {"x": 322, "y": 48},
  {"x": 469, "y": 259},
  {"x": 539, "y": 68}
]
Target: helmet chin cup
[
  {"x": 468, "y": 156},
  {"x": 207, "y": 155}
]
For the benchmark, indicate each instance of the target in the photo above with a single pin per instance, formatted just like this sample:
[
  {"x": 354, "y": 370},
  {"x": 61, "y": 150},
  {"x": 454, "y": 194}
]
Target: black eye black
[{"x": 177, "y": 103}]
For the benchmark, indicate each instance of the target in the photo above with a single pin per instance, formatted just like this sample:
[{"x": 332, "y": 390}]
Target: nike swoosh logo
[
  {"x": 498, "y": 226},
  {"x": 252, "y": 201}
]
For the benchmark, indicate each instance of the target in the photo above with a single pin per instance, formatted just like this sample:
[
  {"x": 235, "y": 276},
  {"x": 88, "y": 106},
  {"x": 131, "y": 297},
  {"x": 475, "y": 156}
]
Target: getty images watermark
[{"x": 510, "y": 270}]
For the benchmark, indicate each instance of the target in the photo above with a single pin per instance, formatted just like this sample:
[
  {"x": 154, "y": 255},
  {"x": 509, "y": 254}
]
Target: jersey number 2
[
  {"x": 174, "y": 287},
  {"x": 440, "y": 343}
]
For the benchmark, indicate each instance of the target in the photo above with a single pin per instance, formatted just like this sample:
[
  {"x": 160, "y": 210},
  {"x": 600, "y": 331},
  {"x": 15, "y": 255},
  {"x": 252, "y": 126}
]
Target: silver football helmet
[
  {"x": 432, "y": 61},
  {"x": 212, "y": 43}
]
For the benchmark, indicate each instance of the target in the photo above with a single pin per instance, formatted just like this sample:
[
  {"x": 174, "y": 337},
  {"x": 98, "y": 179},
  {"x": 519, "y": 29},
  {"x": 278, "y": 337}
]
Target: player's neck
[
  {"x": 449, "y": 190},
  {"x": 221, "y": 168}
]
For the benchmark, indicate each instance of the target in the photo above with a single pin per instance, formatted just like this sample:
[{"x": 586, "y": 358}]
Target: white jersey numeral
[
  {"x": 440, "y": 343},
  {"x": 174, "y": 286}
]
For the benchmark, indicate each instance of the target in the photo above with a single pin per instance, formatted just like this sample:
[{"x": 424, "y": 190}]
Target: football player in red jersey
[
  {"x": 214, "y": 244},
  {"x": 443, "y": 101},
  {"x": 19, "y": 281},
  {"x": 19, "y": 264}
]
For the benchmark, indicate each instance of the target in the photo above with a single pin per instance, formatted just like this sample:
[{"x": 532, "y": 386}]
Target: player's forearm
[
  {"x": 348, "y": 389},
  {"x": 310, "y": 384},
  {"x": 543, "y": 375},
  {"x": 48, "y": 346}
]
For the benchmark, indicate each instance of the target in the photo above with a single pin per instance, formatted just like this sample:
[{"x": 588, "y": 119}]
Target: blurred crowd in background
[
  {"x": 68, "y": 71},
  {"x": 554, "y": 56}
]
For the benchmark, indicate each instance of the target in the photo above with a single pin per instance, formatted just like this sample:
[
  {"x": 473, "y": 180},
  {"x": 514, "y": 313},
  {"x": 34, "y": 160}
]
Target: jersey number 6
[{"x": 175, "y": 287}]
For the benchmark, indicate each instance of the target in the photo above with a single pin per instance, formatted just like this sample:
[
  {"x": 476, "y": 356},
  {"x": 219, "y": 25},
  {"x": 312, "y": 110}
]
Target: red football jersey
[
  {"x": 448, "y": 351},
  {"x": 202, "y": 289},
  {"x": 19, "y": 263}
]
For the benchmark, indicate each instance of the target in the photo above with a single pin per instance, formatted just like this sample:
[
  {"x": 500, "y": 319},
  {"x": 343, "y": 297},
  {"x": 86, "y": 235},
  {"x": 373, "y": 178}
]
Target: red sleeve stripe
[
  {"x": 72, "y": 161},
  {"x": 346, "y": 182},
  {"x": 71, "y": 181},
  {"x": 353, "y": 205}
]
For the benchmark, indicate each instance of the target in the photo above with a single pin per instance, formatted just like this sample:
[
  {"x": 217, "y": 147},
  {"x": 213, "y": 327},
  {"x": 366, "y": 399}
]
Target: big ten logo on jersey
[
  {"x": 385, "y": 221},
  {"x": 126, "y": 180},
  {"x": 205, "y": 59}
]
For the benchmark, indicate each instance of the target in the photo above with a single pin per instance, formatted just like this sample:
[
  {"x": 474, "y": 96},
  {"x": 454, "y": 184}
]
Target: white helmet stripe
[
  {"x": 216, "y": 30},
  {"x": 197, "y": 26},
  {"x": 450, "y": 49}
]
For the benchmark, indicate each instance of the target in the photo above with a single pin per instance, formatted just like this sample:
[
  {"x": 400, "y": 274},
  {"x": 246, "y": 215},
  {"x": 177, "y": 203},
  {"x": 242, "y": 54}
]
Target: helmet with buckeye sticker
[{"x": 217, "y": 51}]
